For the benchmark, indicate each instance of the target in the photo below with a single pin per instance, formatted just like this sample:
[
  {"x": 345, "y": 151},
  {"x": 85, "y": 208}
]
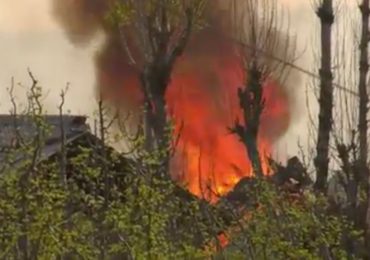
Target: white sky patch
[
  {"x": 25, "y": 16},
  {"x": 29, "y": 38}
]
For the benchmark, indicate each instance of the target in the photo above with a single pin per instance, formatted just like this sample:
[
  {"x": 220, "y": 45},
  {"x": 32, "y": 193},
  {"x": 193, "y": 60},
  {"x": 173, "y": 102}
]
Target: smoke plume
[{"x": 202, "y": 94}]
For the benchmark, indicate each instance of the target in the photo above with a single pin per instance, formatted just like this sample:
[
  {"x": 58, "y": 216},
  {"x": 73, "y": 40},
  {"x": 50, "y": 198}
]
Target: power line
[
  {"x": 287, "y": 63},
  {"x": 302, "y": 70},
  {"x": 294, "y": 66}
]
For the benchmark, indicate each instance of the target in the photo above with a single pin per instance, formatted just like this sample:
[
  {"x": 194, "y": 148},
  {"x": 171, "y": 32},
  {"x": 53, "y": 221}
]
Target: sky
[{"x": 30, "y": 38}]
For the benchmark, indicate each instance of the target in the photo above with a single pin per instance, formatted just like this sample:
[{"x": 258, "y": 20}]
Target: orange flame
[
  {"x": 203, "y": 101},
  {"x": 202, "y": 95}
]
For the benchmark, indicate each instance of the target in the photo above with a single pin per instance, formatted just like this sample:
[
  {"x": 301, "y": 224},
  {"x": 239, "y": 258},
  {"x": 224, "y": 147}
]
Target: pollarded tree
[
  {"x": 264, "y": 53},
  {"x": 363, "y": 108},
  {"x": 326, "y": 15},
  {"x": 154, "y": 34}
]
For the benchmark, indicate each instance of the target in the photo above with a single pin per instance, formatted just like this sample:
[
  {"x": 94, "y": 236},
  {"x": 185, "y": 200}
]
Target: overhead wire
[{"x": 296, "y": 67}]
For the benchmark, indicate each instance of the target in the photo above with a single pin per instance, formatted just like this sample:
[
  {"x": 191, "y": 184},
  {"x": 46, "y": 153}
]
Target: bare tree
[
  {"x": 362, "y": 86},
  {"x": 63, "y": 164},
  {"x": 160, "y": 30},
  {"x": 252, "y": 103},
  {"x": 363, "y": 108},
  {"x": 63, "y": 154},
  {"x": 326, "y": 14},
  {"x": 261, "y": 35}
]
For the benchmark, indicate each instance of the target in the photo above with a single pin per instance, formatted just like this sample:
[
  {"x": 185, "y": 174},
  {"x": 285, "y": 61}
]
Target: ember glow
[{"x": 201, "y": 99}]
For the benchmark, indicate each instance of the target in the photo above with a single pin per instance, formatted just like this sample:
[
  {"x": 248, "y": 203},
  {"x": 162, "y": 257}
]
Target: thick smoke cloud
[
  {"x": 117, "y": 79},
  {"x": 80, "y": 19},
  {"x": 202, "y": 93}
]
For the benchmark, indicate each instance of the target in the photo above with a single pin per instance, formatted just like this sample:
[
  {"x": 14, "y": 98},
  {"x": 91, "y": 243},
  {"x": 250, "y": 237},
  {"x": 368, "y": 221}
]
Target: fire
[
  {"x": 201, "y": 98},
  {"x": 203, "y": 103}
]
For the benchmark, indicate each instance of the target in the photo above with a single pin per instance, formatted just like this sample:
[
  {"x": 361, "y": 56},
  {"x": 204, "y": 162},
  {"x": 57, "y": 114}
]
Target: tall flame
[
  {"x": 203, "y": 101},
  {"x": 201, "y": 98}
]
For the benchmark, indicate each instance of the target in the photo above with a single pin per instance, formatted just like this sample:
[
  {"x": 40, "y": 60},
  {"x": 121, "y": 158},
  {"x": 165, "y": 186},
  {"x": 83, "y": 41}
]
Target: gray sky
[{"x": 29, "y": 38}]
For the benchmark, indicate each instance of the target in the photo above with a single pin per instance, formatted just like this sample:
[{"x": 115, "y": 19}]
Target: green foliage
[
  {"x": 145, "y": 215},
  {"x": 42, "y": 218},
  {"x": 286, "y": 227},
  {"x": 113, "y": 207}
]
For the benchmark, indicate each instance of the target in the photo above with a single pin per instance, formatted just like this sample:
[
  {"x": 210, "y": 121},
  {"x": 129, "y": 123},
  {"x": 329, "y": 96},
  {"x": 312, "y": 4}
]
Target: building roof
[{"x": 14, "y": 130}]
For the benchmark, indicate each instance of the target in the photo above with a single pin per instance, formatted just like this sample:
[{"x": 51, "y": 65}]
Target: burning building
[{"x": 201, "y": 97}]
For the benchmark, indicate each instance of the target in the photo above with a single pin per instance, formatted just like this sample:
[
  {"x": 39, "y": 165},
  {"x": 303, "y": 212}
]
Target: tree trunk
[
  {"x": 154, "y": 83},
  {"x": 252, "y": 104},
  {"x": 362, "y": 87},
  {"x": 362, "y": 126},
  {"x": 326, "y": 15}
]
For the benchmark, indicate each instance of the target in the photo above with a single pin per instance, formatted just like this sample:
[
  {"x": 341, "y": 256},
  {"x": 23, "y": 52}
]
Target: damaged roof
[{"x": 22, "y": 128}]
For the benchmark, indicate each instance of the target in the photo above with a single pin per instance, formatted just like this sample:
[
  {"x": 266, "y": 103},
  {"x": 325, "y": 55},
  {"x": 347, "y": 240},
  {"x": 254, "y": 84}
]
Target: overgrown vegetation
[
  {"x": 87, "y": 200},
  {"x": 144, "y": 215}
]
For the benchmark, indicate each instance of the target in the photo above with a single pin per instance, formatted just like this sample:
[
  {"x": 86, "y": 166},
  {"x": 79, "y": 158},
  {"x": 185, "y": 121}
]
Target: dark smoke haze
[
  {"x": 206, "y": 75},
  {"x": 117, "y": 80},
  {"x": 201, "y": 96}
]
